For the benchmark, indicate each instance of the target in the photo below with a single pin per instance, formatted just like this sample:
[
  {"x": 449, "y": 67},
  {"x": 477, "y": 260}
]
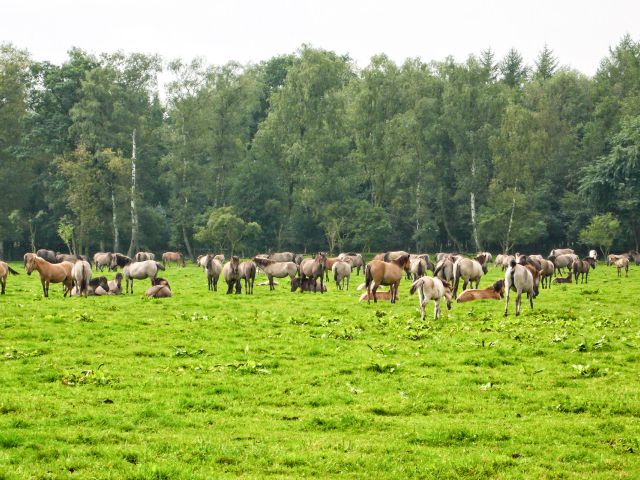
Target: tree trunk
[
  {"x": 133, "y": 246},
  {"x": 114, "y": 216},
  {"x": 1, "y": 249},
  {"x": 472, "y": 205},
  {"x": 187, "y": 245},
  {"x": 507, "y": 245}
]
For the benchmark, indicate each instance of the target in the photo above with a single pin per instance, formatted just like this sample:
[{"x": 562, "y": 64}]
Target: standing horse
[
  {"x": 623, "y": 263},
  {"x": 142, "y": 256},
  {"x": 581, "y": 267},
  {"x": 432, "y": 288},
  {"x": 5, "y": 270},
  {"x": 357, "y": 261},
  {"x": 561, "y": 251},
  {"x": 282, "y": 257},
  {"x": 379, "y": 272},
  {"x": 141, "y": 270},
  {"x": 341, "y": 271},
  {"x": 520, "y": 279},
  {"x": 119, "y": 260},
  {"x": 213, "y": 268},
  {"x": 313, "y": 269},
  {"x": 546, "y": 274},
  {"x": 469, "y": 270},
  {"x": 275, "y": 269},
  {"x": 48, "y": 255},
  {"x": 81, "y": 273},
  {"x": 444, "y": 270},
  {"x": 101, "y": 260},
  {"x": 247, "y": 271},
  {"x": 168, "y": 257},
  {"x": 49, "y": 272},
  {"x": 231, "y": 275}
]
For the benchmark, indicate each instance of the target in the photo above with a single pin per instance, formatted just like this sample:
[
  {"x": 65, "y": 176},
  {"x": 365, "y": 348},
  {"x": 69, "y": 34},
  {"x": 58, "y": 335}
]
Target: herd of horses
[{"x": 523, "y": 273}]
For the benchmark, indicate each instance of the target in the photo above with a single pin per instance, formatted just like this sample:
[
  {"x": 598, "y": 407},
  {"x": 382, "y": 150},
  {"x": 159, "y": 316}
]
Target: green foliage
[
  {"x": 602, "y": 231},
  {"x": 225, "y": 230}
]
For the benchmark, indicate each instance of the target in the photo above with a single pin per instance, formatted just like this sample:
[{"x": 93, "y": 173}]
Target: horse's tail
[
  {"x": 415, "y": 285},
  {"x": 456, "y": 276},
  {"x": 512, "y": 264},
  {"x": 367, "y": 276},
  {"x": 421, "y": 271},
  {"x": 335, "y": 275},
  {"x": 12, "y": 271},
  {"x": 160, "y": 266}
]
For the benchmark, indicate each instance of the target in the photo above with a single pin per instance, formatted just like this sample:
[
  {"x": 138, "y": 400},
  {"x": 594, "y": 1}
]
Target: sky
[{"x": 579, "y": 32}]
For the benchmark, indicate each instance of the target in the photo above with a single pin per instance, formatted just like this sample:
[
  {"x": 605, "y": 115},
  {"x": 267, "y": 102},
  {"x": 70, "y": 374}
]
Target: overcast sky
[{"x": 579, "y": 32}]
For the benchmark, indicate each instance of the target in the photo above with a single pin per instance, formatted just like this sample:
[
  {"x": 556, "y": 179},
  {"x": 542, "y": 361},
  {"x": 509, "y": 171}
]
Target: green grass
[{"x": 205, "y": 385}]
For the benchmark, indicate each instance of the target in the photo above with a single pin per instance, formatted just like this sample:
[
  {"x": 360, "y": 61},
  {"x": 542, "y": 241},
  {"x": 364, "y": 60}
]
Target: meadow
[{"x": 291, "y": 385}]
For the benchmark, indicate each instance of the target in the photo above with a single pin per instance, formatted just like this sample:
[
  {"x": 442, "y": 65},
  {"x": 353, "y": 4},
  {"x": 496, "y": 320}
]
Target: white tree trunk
[
  {"x": 507, "y": 244},
  {"x": 133, "y": 246},
  {"x": 472, "y": 201},
  {"x": 114, "y": 215}
]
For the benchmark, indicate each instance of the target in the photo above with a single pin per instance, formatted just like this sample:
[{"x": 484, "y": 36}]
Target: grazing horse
[
  {"x": 119, "y": 260},
  {"x": 49, "y": 272},
  {"x": 213, "y": 268},
  {"x": 5, "y": 270},
  {"x": 101, "y": 260},
  {"x": 48, "y": 255},
  {"x": 469, "y": 270},
  {"x": 141, "y": 270},
  {"x": 432, "y": 288},
  {"x": 273, "y": 269},
  {"x": 444, "y": 270},
  {"x": 519, "y": 278},
  {"x": 379, "y": 272},
  {"x": 494, "y": 292},
  {"x": 313, "y": 269},
  {"x": 81, "y": 273},
  {"x": 623, "y": 263},
  {"x": 177, "y": 257},
  {"x": 582, "y": 267},
  {"x": 247, "y": 271},
  {"x": 231, "y": 275},
  {"x": 341, "y": 271},
  {"x": 357, "y": 261},
  {"x": 142, "y": 256}
]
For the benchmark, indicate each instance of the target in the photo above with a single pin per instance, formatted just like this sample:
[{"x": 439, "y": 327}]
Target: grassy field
[{"x": 205, "y": 385}]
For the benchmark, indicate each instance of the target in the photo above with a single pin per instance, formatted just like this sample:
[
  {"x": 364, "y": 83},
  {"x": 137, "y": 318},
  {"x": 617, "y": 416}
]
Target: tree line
[{"x": 307, "y": 152}]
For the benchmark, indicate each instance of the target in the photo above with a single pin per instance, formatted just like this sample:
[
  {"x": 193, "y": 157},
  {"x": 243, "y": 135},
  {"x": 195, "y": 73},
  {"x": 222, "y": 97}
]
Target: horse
[
  {"x": 273, "y": 269},
  {"x": 380, "y": 295},
  {"x": 520, "y": 278},
  {"x": 623, "y": 263},
  {"x": 567, "y": 279},
  {"x": 635, "y": 256},
  {"x": 432, "y": 288},
  {"x": 231, "y": 274},
  {"x": 48, "y": 255},
  {"x": 444, "y": 270},
  {"x": 562, "y": 261},
  {"x": 582, "y": 267},
  {"x": 394, "y": 255},
  {"x": 307, "y": 285},
  {"x": 142, "y": 256},
  {"x": 498, "y": 260},
  {"x": 101, "y": 260},
  {"x": 341, "y": 271},
  {"x": 5, "y": 270},
  {"x": 593, "y": 254},
  {"x": 282, "y": 257},
  {"x": 173, "y": 257},
  {"x": 68, "y": 257},
  {"x": 485, "y": 259},
  {"x": 141, "y": 270},
  {"x": 81, "y": 273},
  {"x": 49, "y": 272},
  {"x": 247, "y": 271},
  {"x": 506, "y": 260},
  {"x": 379, "y": 272},
  {"x": 314, "y": 268},
  {"x": 546, "y": 274},
  {"x": 469, "y": 270},
  {"x": 357, "y": 261},
  {"x": 560, "y": 251},
  {"x": 160, "y": 288},
  {"x": 612, "y": 258},
  {"x": 213, "y": 268},
  {"x": 418, "y": 268},
  {"x": 114, "y": 287},
  {"x": 119, "y": 260},
  {"x": 494, "y": 292},
  {"x": 427, "y": 261}
]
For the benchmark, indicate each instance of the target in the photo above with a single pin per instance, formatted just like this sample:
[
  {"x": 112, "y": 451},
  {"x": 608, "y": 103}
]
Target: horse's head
[
  {"x": 30, "y": 262},
  {"x": 235, "y": 263},
  {"x": 499, "y": 287},
  {"x": 321, "y": 258},
  {"x": 448, "y": 293}
]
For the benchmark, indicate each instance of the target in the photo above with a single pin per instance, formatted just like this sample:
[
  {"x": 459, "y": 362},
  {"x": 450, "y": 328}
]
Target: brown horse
[
  {"x": 173, "y": 257},
  {"x": 5, "y": 270},
  {"x": 582, "y": 267},
  {"x": 379, "y": 272},
  {"x": 231, "y": 275},
  {"x": 494, "y": 292},
  {"x": 314, "y": 268},
  {"x": 247, "y": 271},
  {"x": 394, "y": 255},
  {"x": 49, "y": 272}
]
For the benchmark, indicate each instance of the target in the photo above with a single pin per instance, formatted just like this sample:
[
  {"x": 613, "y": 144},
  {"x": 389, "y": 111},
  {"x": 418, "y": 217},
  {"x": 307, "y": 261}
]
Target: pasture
[{"x": 290, "y": 385}]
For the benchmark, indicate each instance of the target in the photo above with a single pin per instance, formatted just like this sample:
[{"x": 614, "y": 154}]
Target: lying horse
[
  {"x": 160, "y": 289},
  {"x": 378, "y": 272},
  {"x": 432, "y": 288},
  {"x": 307, "y": 285},
  {"x": 49, "y": 272},
  {"x": 5, "y": 270},
  {"x": 380, "y": 295},
  {"x": 494, "y": 292}
]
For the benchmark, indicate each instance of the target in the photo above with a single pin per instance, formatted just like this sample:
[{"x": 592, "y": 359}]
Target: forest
[{"x": 308, "y": 151}]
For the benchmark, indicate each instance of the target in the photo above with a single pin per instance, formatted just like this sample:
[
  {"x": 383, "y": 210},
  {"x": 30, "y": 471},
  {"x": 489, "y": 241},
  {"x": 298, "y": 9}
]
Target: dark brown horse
[
  {"x": 582, "y": 267},
  {"x": 379, "y": 272}
]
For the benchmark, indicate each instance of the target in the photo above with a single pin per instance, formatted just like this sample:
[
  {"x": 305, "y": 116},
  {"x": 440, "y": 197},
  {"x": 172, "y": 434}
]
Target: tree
[
  {"x": 226, "y": 230},
  {"x": 602, "y": 231},
  {"x": 514, "y": 71},
  {"x": 546, "y": 64}
]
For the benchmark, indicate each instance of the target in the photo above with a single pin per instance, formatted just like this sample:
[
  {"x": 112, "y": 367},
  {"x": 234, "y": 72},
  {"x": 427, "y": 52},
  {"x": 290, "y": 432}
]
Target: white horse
[
  {"x": 341, "y": 271},
  {"x": 432, "y": 288},
  {"x": 81, "y": 273},
  {"x": 141, "y": 270},
  {"x": 519, "y": 278},
  {"x": 213, "y": 268}
]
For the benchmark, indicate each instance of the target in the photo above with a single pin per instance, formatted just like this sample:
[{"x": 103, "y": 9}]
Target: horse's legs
[
  {"x": 518, "y": 302},
  {"x": 321, "y": 284},
  {"x": 215, "y": 284},
  {"x": 506, "y": 303},
  {"x": 238, "y": 286},
  {"x": 230, "y": 286},
  {"x": 374, "y": 289},
  {"x": 3, "y": 281},
  {"x": 436, "y": 310},
  {"x": 531, "y": 300}
]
